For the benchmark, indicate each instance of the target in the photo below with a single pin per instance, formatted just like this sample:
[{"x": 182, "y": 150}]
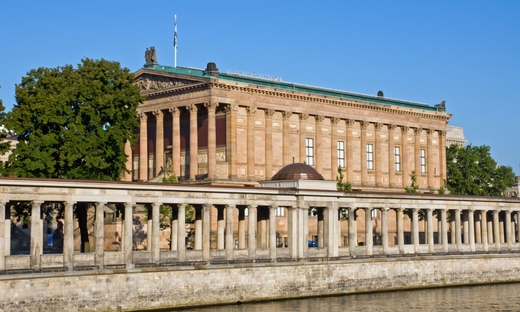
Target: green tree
[
  {"x": 74, "y": 122},
  {"x": 413, "y": 188},
  {"x": 5, "y": 146},
  {"x": 472, "y": 171},
  {"x": 342, "y": 186}
]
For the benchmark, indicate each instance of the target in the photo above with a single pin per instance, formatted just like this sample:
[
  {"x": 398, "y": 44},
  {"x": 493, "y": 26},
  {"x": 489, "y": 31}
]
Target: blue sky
[{"x": 463, "y": 52}]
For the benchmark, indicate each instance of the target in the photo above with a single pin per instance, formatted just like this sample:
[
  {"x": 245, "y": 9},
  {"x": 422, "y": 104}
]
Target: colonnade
[
  {"x": 460, "y": 230},
  {"x": 430, "y": 169}
]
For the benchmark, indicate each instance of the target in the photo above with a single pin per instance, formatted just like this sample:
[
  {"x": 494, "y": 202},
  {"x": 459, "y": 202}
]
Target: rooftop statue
[{"x": 150, "y": 56}]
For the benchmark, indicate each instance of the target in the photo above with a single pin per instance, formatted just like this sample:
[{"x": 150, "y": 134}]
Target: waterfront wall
[{"x": 152, "y": 288}]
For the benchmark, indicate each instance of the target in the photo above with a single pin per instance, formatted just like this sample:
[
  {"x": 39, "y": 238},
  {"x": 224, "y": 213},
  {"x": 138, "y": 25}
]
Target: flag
[{"x": 175, "y": 34}]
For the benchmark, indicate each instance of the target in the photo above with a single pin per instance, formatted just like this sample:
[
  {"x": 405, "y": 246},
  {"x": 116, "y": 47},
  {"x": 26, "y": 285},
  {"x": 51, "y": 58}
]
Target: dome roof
[{"x": 297, "y": 171}]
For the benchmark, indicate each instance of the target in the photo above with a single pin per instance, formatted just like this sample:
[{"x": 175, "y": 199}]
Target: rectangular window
[
  {"x": 423, "y": 161},
  {"x": 280, "y": 211},
  {"x": 397, "y": 159},
  {"x": 309, "y": 151},
  {"x": 370, "y": 157},
  {"x": 341, "y": 154}
]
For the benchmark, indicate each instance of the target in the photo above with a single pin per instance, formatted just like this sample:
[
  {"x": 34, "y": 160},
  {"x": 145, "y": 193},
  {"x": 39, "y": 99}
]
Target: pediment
[{"x": 150, "y": 82}]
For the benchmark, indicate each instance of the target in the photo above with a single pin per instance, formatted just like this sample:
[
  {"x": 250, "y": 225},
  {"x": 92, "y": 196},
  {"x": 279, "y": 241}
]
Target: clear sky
[{"x": 464, "y": 52}]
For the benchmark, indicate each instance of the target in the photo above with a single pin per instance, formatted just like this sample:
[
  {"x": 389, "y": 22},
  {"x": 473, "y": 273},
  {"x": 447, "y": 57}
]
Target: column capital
[
  {"x": 251, "y": 110},
  {"x": 430, "y": 131},
  {"x": 211, "y": 105},
  {"x": 349, "y": 122},
  {"x": 378, "y": 126},
  {"x": 174, "y": 111},
  {"x": 404, "y": 129},
  {"x": 158, "y": 113},
  {"x": 142, "y": 116},
  {"x": 269, "y": 112},
  {"x": 192, "y": 108},
  {"x": 131, "y": 204},
  {"x": 417, "y": 130},
  {"x": 319, "y": 118},
  {"x": 391, "y": 127},
  {"x": 442, "y": 133},
  {"x": 102, "y": 204},
  {"x": 364, "y": 124},
  {"x": 286, "y": 115},
  {"x": 252, "y": 206},
  {"x": 303, "y": 117},
  {"x": 334, "y": 120},
  {"x": 231, "y": 108}
]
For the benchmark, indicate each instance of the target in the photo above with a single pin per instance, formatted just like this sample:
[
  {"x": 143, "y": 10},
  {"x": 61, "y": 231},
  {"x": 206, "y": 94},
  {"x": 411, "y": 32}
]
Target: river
[{"x": 502, "y": 297}]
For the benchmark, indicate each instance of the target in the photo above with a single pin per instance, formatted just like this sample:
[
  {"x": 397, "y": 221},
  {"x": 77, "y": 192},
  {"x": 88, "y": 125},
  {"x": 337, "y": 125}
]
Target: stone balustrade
[{"x": 347, "y": 225}]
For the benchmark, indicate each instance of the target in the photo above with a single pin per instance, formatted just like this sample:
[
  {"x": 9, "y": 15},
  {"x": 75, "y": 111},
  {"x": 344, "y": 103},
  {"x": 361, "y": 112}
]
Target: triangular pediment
[{"x": 153, "y": 82}]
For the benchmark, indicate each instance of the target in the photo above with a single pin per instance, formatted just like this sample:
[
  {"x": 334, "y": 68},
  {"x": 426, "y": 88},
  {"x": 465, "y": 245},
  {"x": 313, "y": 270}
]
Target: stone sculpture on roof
[{"x": 150, "y": 56}]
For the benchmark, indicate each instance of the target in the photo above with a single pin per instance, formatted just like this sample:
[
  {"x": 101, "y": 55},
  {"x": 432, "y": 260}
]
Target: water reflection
[{"x": 502, "y": 297}]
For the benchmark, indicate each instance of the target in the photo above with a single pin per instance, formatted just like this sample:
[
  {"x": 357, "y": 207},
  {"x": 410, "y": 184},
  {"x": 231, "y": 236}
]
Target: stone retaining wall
[{"x": 152, "y": 288}]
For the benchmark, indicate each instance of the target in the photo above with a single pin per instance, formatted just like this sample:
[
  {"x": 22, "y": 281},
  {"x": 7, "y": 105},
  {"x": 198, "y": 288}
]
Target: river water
[{"x": 503, "y": 297}]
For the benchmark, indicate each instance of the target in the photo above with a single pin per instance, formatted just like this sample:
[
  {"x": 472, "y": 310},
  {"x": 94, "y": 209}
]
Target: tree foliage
[
  {"x": 4, "y": 145},
  {"x": 342, "y": 186},
  {"x": 472, "y": 171},
  {"x": 413, "y": 188},
  {"x": 74, "y": 122}
]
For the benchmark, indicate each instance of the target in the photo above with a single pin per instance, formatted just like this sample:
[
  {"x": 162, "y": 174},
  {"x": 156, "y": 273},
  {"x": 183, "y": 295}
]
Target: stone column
[
  {"x": 241, "y": 228},
  {"x": 99, "y": 235},
  {"x": 68, "y": 236},
  {"x": 319, "y": 146},
  {"x": 508, "y": 230},
  {"x": 251, "y": 111},
  {"x": 484, "y": 225},
  {"x": 429, "y": 159},
  {"x": 230, "y": 242},
  {"x": 198, "y": 227},
  {"x": 378, "y": 154},
  {"x": 286, "y": 139},
  {"x": 429, "y": 216},
  {"x": 143, "y": 148},
  {"x": 206, "y": 222},
  {"x": 404, "y": 152},
  {"x": 349, "y": 153},
  {"x": 159, "y": 141},
  {"x": 181, "y": 234},
  {"x": 221, "y": 227},
  {"x": 128, "y": 176},
  {"x": 444, "y": 230},
  {"x": 417, "y": 152},
  {"x": 36, "y": 234},
  {"x": 330, "y": 230},
  {"x": 303, "y": 133},
  {"x": 292, "y": 231},
  {"x": 334, "y": 148},
  {"x": 458, "y": 238},
  {"x": 465, "y": 224},
  {"x": 369, "y": 242},
  {"x": 174, "y": 228},
  {"x": 471, "y": 221},
  {"x": 352, "y": 231},
  {"x": 478, "y": 234},
  {"x": 400, "y": 230},
  {"x": 261, "y": 228},
  {"x": 269, "y": 143},
  {"x": 496, "y": 229},
  {"x": 231, "y": 139},
  {"x": 251, "y": 220},
  {"x": 320, "y": 231},
  {"x": 490, "y": 228},
  {"x": 384, "y": 229},
  {"x": 176, "y": 141},
  {"x": 194, "y": 142},
  {"x": 155, "y": 232},
  {"x": 391, "y": 161},
  {"x": 3, "y": 241},
  {"x": 128, "y": 224},
  {"x": 415, "y": 229},
  {"x": 501, "y": 228},
  {"x": 272, "y": 233},
  {"x": 303, "y": 231},
  {"x": 453, "y": 231},
  {"x": 442, "y": 154},
  {"x": 212, "y": 140},
  {"x": 363, "y": 152}
]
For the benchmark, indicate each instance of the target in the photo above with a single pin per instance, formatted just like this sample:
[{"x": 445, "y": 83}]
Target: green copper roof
[{"x": 289, "y": 86}]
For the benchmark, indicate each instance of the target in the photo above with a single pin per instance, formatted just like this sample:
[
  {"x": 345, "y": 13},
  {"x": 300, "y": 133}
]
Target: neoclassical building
[{"x": 224, "y": 127}]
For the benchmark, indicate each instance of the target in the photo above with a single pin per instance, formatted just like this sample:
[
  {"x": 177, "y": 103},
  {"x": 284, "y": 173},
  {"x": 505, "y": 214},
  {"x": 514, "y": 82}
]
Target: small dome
[{"x": 297, "y": 171}]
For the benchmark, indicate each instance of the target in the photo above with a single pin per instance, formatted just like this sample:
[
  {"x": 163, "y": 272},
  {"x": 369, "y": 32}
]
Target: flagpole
[{"x": 175, "y": 41}]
